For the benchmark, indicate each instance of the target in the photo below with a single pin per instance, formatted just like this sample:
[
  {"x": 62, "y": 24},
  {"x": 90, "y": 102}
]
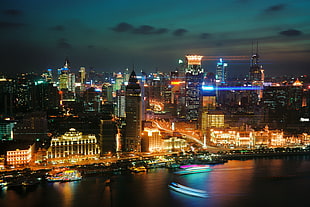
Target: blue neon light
[
  {"x": 237, "y": 88},
  {"x": 208, "y": 88}
]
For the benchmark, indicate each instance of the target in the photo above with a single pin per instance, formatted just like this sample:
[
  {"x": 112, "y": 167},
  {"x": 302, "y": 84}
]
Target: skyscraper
[
  {"x": 82, "y": 75},
  {"x": 221, "y": 71},
  {"x": 133, "y": 109},
  {"x": 64, "y": 75},
  {"x": 193, "y": 82},
  {"x": 256, "y": 70}
]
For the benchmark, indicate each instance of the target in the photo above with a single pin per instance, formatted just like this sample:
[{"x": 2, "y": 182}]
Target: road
[{"x": 193, "y": 138}]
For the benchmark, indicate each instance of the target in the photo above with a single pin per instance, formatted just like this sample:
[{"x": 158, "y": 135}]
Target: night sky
[{"x": 111, "y": 35}]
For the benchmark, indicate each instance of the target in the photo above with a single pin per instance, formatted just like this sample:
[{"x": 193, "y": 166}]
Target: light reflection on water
[{"x": 260, "y": 182}]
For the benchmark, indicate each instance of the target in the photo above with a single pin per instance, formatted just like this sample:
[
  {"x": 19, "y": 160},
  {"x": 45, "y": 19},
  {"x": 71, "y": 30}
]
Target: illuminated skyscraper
[
  {"x": 256, "y": 70},
  {"x": 64, "y": 76},
  {"x": 133, "y": 109},
  {"x": 210, "y": 116},
  {"x": 256, "y": 75},
  {"x": 193, "y": 82},
  {"x": 194, "y": 64},
  {"x": 221, "y": 71},
  {"x": 82, "y": 73}
]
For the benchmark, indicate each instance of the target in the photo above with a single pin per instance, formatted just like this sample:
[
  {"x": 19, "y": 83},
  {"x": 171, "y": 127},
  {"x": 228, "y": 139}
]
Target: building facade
[
  {"x": 73, "y": 144},
  {"x": 133, "y": 109}
]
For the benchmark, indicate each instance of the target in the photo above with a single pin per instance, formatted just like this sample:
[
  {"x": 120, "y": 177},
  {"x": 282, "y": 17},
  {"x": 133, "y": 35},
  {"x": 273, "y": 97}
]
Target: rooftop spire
[{"x": 67, "y": 63}]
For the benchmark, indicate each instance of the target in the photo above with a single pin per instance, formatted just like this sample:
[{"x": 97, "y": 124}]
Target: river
[{"x": 266, "y": 182}]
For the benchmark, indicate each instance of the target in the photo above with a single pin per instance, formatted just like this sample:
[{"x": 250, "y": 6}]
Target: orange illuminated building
[
  {"x": 151, "y": 140},
  {"x": 194, "y": 59}
]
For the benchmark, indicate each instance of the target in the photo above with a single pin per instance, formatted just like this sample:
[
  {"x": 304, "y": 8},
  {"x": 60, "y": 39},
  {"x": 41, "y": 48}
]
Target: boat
[
  {"x": 30, "y": 182},
  {"x": 190, "y": 169},
  {"x": 172, "y": 165},
  {"x": 64, "y": 176},
  {"x": 3, "y": 184},
  {"x": 138, "y": 169},
  {"x": 187, "y": 190}
]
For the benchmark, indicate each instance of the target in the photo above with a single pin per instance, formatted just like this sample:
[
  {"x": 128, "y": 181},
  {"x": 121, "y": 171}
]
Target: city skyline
[{"x": 112, "y": 36}]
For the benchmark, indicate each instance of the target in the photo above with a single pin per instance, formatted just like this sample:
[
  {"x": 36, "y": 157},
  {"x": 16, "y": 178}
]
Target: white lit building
[
  {"x": 73, "y": 144},
  {"x": 19, "y": 157}
]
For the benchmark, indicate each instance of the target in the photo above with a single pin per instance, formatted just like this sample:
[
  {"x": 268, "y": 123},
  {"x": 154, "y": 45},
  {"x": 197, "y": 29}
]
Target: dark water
[{"x": 261, "y": 182}]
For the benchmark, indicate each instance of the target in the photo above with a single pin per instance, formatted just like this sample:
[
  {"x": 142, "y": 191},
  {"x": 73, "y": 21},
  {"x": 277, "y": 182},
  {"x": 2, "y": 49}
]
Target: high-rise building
[
  {"x": 133, "y": 109},
  {"x": 92, "y": 100},
  {"x": 6, "y": 129},
  {"x": 151, "y": 140},
  {"x": 193, "y": 82},
  {"x": 256, "y": 70},
  {"x": 8, "y": 95},
  {"x": 221, "y": 71},
  {"x": 64, "y": 76},
  {"x": 285, "y": 106},
  {"x": 210, "y": 116},
  {"x": 82, "y": 75},
  {"x": 108, "y": 137}
]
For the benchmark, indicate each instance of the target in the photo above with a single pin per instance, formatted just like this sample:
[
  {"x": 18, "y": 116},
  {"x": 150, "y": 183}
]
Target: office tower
[
  {"x": 82, "y": 75},
  {"x": 221, "y": 71},
  {"x": 44, "y": 96},
  {"x": 64, "y": 75},
  {"x": 256, "y": 70},
  {"x": 8, "y": 95},
  {"x": 71, "y": 82},
  {"x": 151, "y": 140},
  {"x": 92, "y": 101},
  {"x": 284, "y": 106},
  {"x": 194, "y": 64},
  {"x": 256, "y": 74},
  {"x": 120, "y": 104},
  {"x": 193, "y": 81},
  {"x": 133, "y": 109},
  {"x": 210, "y": 116},
  {"x": 119, "y": 79},
  {"x": 66, "y": 78},
  {"x": 31, "y": 126},
  {"x": 6, "y": 129},
  {"x": 63, "y": 79},
  {"x": 48, "y": 75},
  {"x": 108, "y": 137}
]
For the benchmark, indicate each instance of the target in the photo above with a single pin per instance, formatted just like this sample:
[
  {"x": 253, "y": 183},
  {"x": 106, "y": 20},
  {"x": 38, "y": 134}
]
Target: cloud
[
  {"x": 144, "y": 29},
  {"x": 205, "y": 35},
  {"x": 291, "y": 33},
  {"x": 58, "y": 28},
  {"x": 123, "y": 27},
  {"x": 13, "y": 12},
  {"x": 6, "y": 25},
  {"x": 275, "y": 8},
  {"x": 63, "y": 43},
  {"x": 161, "y": 31},
  {"x": 179, "y": 32},
  {"x": 147, "y": 29}
]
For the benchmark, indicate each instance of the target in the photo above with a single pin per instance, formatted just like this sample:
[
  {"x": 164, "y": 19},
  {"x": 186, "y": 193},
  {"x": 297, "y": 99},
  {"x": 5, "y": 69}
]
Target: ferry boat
[
  {"x": 190, "y": 169},
  {"x": 138, "y": 169},
  {"x": 64, "y": 176},
  {"x": 3, "y": 183},
  {"x": 187, "y": 190}
]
